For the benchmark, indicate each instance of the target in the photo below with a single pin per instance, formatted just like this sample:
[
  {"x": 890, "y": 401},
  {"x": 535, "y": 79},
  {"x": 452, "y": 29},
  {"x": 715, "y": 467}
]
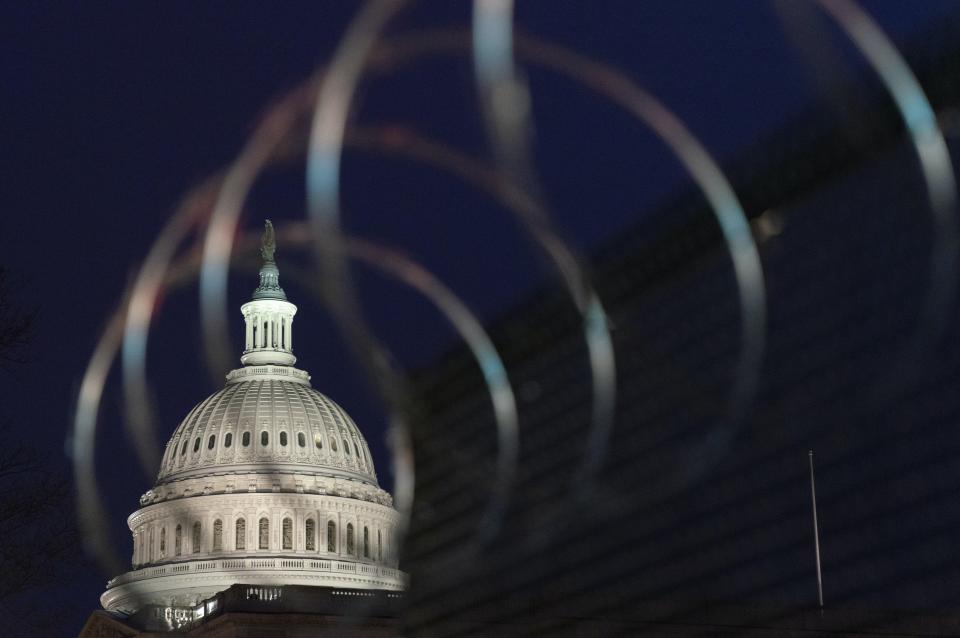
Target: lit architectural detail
[{"x": 266, "y": 482}]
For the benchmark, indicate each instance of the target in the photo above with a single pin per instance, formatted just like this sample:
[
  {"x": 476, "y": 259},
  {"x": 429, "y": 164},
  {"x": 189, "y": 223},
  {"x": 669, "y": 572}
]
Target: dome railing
[{"x": 261, "y": 565}]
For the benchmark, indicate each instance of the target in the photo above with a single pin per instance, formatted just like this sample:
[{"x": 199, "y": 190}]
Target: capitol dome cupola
[{"x": 268, "y": 316}]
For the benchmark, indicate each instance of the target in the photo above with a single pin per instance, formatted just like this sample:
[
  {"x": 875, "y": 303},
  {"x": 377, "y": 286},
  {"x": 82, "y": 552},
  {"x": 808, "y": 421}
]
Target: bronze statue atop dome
[{"x": 268, "y": 242}]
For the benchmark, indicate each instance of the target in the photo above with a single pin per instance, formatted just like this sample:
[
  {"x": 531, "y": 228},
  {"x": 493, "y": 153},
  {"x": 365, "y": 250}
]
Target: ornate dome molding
[{"x": 267, "y": 421}]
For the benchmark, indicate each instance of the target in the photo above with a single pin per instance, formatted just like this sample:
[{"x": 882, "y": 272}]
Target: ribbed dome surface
[{"x": 267, "y": 419}]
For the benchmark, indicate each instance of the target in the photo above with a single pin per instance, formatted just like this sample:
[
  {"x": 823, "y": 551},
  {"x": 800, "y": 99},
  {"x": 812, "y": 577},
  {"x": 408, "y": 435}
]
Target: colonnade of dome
[{"x": 258, "y": 525}]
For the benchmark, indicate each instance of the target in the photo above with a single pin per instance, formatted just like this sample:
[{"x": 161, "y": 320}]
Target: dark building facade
[{"x": 690, "y": 505}]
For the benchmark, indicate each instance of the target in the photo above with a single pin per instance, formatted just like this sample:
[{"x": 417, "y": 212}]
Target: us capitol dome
[{"x": 265, "y": 482}]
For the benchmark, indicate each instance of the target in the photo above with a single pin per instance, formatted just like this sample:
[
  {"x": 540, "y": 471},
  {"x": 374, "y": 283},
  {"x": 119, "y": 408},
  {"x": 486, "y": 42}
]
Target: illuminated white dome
[
  {"x": 266, "y": 482},
  {"x": 267, "y": 418}
]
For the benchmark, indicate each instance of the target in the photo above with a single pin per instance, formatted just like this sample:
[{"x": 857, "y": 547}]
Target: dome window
[
  {"x": 346, "y": 446},
  {"x": 264, "y": 438},
  {"x": 331, "y": 536},
  {"x": 228, "y": 439},
  {"x": 163, "y": 542},
  {"x": 283, "y": 439},
  {"x": 196, "y": 538},
  {"x": 301, "y": 439},
  {"x": 183, "y": 450},
  {"x": 217, "y": 535},
  {"x": 379, "y": 546},
  {"x": 196, "y": 445},
  {"x": 246, "y": 439},
  {"x": 366, "y": 542},
  {"x": 287, "y": 530},
  {"x": 241, "y": 535},
  {"x": 264, "y": 533},
  {"x": 333, "y": 444},
  {"x": 318, "y": 441},
  {"x": 178, "y": 540},
  {"x": 351, "y": 544},
  {"x": 310, "y": 535},
  {"x": 211, "y": 441}
]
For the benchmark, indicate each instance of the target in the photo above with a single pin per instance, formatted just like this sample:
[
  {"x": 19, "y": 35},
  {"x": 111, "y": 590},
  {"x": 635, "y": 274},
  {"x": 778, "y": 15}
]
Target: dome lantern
[{"x": 268, "y": 316}]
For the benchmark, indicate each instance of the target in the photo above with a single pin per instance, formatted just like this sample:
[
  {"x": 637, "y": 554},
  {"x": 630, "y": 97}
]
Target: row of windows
[
  {"x": 265, "y": 440},
  {"x": 263, "y": 537}
]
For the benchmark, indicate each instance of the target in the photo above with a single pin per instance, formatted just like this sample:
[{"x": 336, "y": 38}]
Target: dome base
[{"x": 187, "y": 583}]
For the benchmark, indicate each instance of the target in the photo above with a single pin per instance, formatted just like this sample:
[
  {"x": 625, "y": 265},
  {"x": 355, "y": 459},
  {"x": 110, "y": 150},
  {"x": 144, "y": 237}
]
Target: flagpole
[{"x": 816, "y": 533}]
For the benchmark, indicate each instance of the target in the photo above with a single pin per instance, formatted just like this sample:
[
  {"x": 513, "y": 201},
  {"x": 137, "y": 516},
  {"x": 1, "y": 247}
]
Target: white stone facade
[
  {"x": 266, "y": 482},
  {"x": 296, "y": 525}
]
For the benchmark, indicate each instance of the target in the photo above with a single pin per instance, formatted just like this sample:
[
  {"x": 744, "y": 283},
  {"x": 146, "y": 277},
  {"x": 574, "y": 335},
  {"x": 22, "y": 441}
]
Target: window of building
[
  {"x": 211, "y": 441},
  {"x": 346, "y": 446},
  {"x": 196, "y": 444},
  {"x": 264, "y": 533},
  {"x": 196, "y": 537},
  {"x": 217, "y": 535},
  {"x": 318, "y": 441},
  {"x": 246, "y": 439},
  {"x": 331, "y": 536},
  {"x": 333, "y": 444},
  {"x": 228, "y": 439},
  {"x": 351, "y": 544},
  {"x": 287, "y": 530},
  {"x": 241, "y": 539},
  {"x": 310, "y": 535},
  {"x": 264, "y": 438},
  {"x": 366, "y": 542},
  {"x": 301, "y": 439},
  {"x": 379, "y": 546},
  {"x": 283, "y": 439},
  {"x": 163, "y": 542},
  {"x": 178, "y": 541},
  {"x": 183, "y": 450}
]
